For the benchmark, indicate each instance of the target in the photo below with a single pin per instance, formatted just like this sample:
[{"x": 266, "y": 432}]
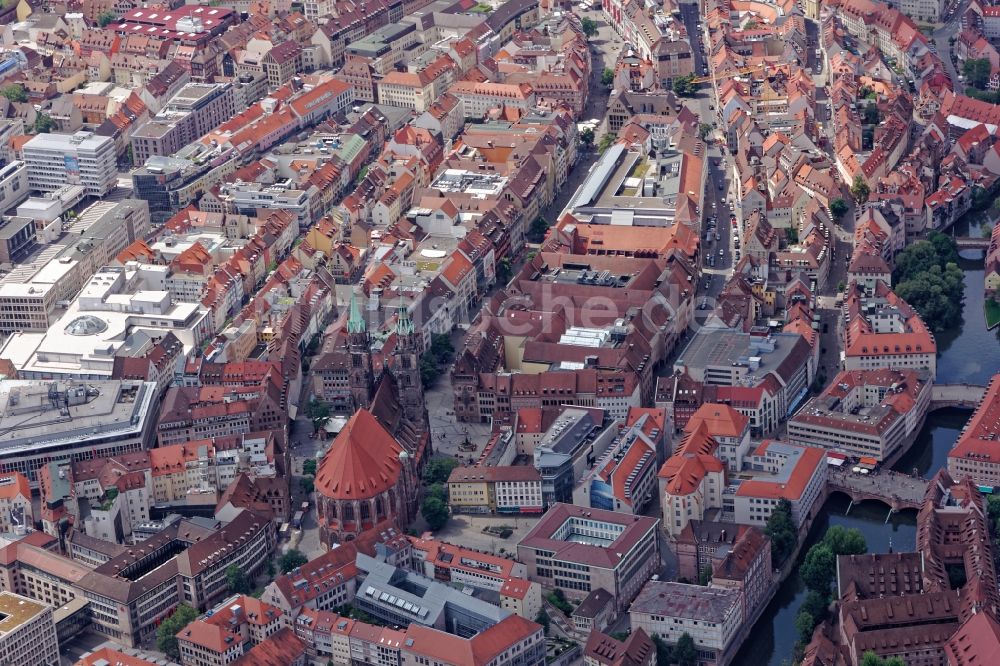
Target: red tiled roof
[{"x": 362, "y": 462}]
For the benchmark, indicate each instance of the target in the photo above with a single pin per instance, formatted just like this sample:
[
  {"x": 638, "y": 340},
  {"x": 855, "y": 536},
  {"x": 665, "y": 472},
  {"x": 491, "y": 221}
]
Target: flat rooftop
[
  {"x": 38, "y": 414},
  {"x": 682, "y": 600},
  {"x": 724, "y": 347},
  {"x": 16, "y": 610}
]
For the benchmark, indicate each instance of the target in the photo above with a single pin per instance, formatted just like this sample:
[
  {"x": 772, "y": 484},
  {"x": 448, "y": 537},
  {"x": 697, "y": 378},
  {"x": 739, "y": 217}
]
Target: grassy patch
[
  {"x": 992, "y": 309},
  {"x": 481, "y": 8},
  {"x": 639, "y": 169}
]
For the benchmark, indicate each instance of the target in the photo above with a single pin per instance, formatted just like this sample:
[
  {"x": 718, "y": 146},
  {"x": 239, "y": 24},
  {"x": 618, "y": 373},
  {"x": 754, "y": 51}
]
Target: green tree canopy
[
  {"x": 845, "y": 541},
  {"x": 838, "y": 208},
  {"x": 816, "y": 604},
  {"x": 15, "y": 92},
  {"x": 872, "y": 659},
  {"x": 237, "y": 580},
  {"x": 309, "y": 467},
  {"x": 781, "y": 530},
  {"x": 435, "y": 512},
  {"x": 685, "y": 652},
  {"x": 318, "y": 412},
  {"x": 819, "y": 568},
  {"x": 441, "y": 347},
  {"x": 166, "y": 633},
  {"x": 543, "y": 619},
  {"x": 291, "y": 560},
  {"x": 977, "y": 72},
  {"x": 860, "y": 190},
  {"x": 105, "y": 18},
  {"x": 429, "y": 371},
  {"x": 587, "y": 137},
  {"x": 589, "y": 26},
  {"x": 804, "y": 625},
  {"x": 927, "y": 277},
  {"x": 685, "y": 86},
  {"x": 608, "y": 77},
  {"x": 606, "y": 142},
  {"x": 44, "y": 124},
  {"x": 438, "y": 470},
  {"x": 537, "y": 229}
]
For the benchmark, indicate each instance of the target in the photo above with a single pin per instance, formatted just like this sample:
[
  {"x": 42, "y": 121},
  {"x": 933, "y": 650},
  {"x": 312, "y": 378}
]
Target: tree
[
  {"x": 860, "y": 190},
  {"x": 587, "y": 137},
  {"x": 537, "y": 229},
  {"x": 845, "y": 541},
  {"x": 44, "y": 124},
  {"x": 936, "y": 295},
  {"x": 819, "y": 568},
  {"x": 428, "y": 371},
  {"x": 804, "y": 625},
  {"x": 15, "y": 92},
  {"x": 781, "y": 530},
  {"x": 441, "y": 347},
  {"x": 309, "y": 467},
  {"x": 608, "y": 77},
  {"x": 291, "y": 561},
  {"x": 838, "y": 208},
  {"x": 104, "y": 18},
  {"x": 704, "y": 130},
  {"x": 318, "y": 412},
  {"x": 872, "y": 659},
  {"x": 685, "y": 85},
  {"x": 685, "y": 652},
  {"x": 993, "y": 508},
  {"x": 871, "y": 114},
  {"x": 438, "y": 470},
  {"x": 308, "y": 484},
  {"x": 589, "y": 26},
  {"x": 664, "y": 655},
  {"x": 166, "y": 633},
  {"x": 977, "y": 72},
  {"x": 543, "y": 619},
  {"x": 816, "y": 604},
  {"x": 606, "y": 142},
  {"x": 504, "y": 271},
  {"x": 237, "y": 580},
  {"x": 435, "y": 512}
]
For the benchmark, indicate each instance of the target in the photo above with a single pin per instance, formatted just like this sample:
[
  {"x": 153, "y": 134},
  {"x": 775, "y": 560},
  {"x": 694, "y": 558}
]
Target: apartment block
[
  {"x": 193, "y": 111},
  {"x": 83, "y": 158}
]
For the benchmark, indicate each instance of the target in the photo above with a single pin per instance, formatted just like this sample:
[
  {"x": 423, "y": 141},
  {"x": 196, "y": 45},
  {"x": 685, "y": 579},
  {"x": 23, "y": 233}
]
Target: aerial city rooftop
[{"x": 499, "y": 333}]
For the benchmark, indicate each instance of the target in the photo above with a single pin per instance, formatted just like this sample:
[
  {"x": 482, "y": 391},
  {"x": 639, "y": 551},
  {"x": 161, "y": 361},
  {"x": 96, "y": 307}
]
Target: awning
[{"x": 836, "y": 462}]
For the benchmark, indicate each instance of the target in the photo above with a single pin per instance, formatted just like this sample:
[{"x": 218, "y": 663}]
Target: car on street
[{"x": 722, "y": 251}]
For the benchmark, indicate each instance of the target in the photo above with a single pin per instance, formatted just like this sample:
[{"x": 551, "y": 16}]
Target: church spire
[
  {"x": 355, "y": 322},
  {"x": 404, "y": 325}
]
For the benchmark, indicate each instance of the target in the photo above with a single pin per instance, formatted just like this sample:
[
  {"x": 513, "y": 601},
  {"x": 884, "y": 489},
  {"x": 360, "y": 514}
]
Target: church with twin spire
[{"x": 370, "y": 473}]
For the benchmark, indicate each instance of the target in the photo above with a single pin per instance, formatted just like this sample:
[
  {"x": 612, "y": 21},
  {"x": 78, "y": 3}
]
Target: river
[{"x": 968, "y": 353}]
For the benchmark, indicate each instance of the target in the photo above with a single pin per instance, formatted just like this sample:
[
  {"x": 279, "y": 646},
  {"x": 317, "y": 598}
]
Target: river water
[{"x": 968, "y": 353}]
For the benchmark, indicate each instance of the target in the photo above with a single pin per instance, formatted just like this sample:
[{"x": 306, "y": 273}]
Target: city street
[{"x": 603, "y": 53}]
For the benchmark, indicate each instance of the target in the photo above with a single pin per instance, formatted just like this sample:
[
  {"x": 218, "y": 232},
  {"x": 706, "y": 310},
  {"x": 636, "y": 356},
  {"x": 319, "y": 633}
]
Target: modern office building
[
  {"x": 27, "y": 632},
  {"x": 874, "y": 413},
  {"x": 41, "y": 421},
  {"x": 578, "y": 550},
  {"x": 83, "y": 158}
]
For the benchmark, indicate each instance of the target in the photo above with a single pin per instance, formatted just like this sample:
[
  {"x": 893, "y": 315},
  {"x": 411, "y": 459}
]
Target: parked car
[{"x": 722, "y": 251}]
